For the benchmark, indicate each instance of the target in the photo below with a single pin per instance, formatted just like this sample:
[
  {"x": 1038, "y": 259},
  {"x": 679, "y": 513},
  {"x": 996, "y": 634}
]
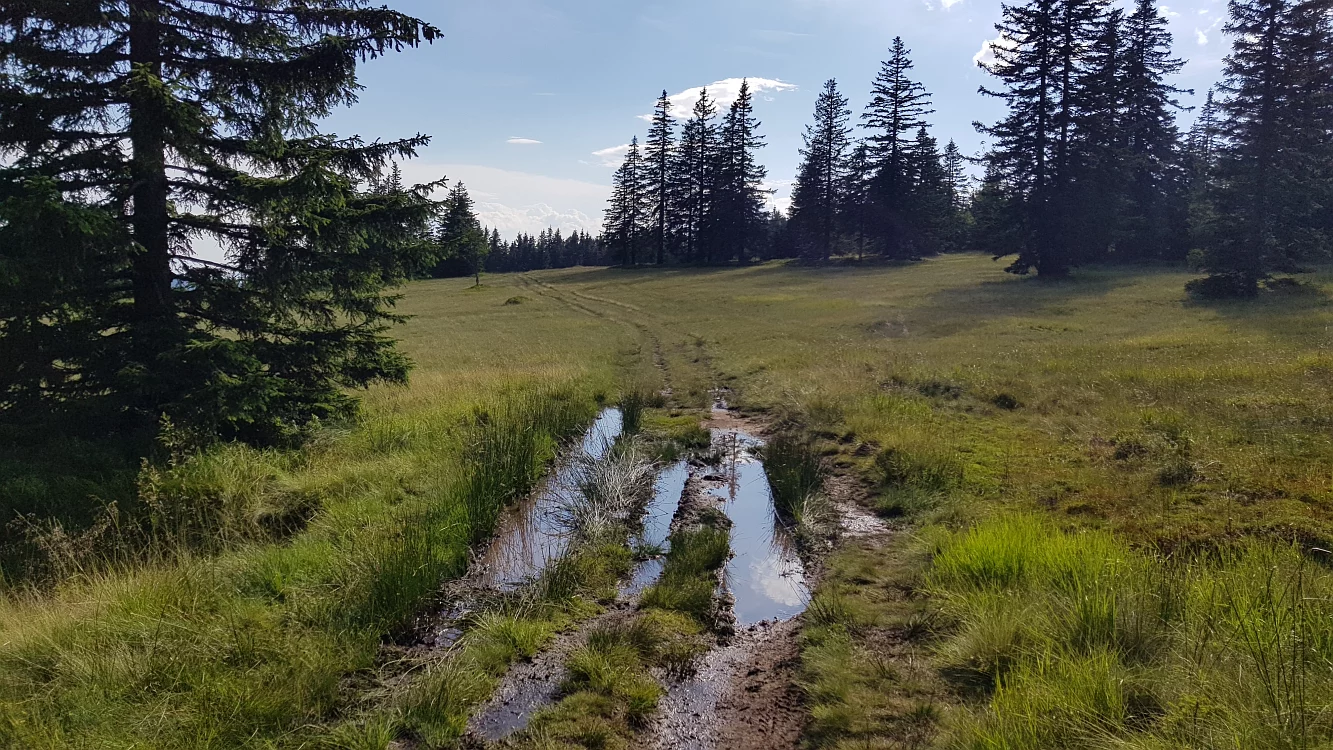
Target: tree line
[
  {"x": 1088, "y": 165},
  {"x": 694, "y": 197}
]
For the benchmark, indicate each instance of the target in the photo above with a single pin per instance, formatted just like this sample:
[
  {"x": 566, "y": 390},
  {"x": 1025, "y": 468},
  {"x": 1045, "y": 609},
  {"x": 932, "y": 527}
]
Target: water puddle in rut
[
  {"x": 529, "y": 535},
  {"x": 656, "y": 527},
  {"x": 765, "y": 577}
]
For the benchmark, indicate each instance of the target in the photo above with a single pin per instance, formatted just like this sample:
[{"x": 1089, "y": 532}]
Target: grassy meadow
[{"x": 1109, "y": 500}]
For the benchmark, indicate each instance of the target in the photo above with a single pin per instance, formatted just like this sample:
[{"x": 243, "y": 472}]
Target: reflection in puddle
[
  {"x": 528, "y": 536},
  {"x": 657, "y": 525},
  {"x": 766, "y": 576}
]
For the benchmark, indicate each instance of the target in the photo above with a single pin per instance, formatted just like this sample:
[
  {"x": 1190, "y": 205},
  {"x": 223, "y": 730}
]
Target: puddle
[
  {"x": 657, "y": 526},
  {"x": 528, "y": 536},
  {"x": 765, "y": 577}
]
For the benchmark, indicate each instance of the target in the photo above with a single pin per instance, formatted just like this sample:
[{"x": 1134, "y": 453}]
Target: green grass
[
  {"x": 795, "y": 472},
  {"x": 689, "y": 575},
  {"x": 1185, "y": 442},
  {"x": 1092, "y": 644},
  {"x": 609, "y": 693}
]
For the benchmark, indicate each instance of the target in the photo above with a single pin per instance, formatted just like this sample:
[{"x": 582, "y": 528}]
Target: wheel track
[
  {"x": 642, "y": 330},
  {"x": 645, "y": 321}
]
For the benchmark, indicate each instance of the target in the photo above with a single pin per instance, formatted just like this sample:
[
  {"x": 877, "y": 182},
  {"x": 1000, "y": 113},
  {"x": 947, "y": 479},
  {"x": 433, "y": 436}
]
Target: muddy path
[{"x": 744, "y": 695}]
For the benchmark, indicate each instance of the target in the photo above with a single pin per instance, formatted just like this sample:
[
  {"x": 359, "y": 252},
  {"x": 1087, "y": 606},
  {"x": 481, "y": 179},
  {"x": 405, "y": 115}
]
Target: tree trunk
[{"x": 153, "y": 312}]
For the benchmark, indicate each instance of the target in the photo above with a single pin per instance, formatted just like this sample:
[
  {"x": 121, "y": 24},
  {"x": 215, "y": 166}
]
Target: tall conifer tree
[
  {"x": 696, "y": 159},
  {"x": 737, "y": 208},
  {"x": 461, "y": 237},
  {"x": 817, "y": 195},
  {"x": 1266, "y": 214},
  {"x": 658, "y": 156},
  {"x": 897, "y": 109},
  {"x": 626, "y": 221},
  {"x": 1156, "y": 222},
  {"x": 133, "y": 132}
]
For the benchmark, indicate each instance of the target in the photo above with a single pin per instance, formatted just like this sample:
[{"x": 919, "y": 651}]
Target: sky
[{"x": 531, "y": 102}]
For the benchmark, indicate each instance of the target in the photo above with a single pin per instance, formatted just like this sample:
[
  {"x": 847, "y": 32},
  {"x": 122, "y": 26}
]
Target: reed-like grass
[
  {"x": 1092, "y": 644},
  {"x": 249, "y": 644}
]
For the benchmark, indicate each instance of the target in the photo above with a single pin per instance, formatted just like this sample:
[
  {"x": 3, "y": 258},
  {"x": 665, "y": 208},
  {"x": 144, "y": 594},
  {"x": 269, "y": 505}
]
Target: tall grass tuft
[
  {"x": 505, "y": 452},
  {"x": 688, "y": 578},
  {"x": 1091, "y": 643},
  {"x": 602, "y": 493},
  {"x": 795, "y": 472},
  {"x": 632, "y": 405}
]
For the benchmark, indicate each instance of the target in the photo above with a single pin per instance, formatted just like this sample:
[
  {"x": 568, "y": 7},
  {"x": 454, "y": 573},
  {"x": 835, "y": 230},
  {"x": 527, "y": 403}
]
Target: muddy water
[
  {"x": 765, "y": 577},
  {"x": 529, "y": 536}
]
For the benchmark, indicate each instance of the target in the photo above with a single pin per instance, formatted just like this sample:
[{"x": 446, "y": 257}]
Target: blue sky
[{"x": 527, "y": 100}]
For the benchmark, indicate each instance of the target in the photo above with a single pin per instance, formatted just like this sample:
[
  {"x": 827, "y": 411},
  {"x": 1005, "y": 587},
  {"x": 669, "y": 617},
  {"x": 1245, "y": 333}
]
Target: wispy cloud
[
  {"x": 723, "y": 92},
  {"x": 523, "y": 142},
  {"x": 611, "y": 157},
  {"x": 778, "y": 37}
]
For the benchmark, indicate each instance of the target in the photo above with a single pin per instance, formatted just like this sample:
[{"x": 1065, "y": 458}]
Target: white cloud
[
  {"x": 516, "y": 202},
  {"x": 611, "y": 157},
  {"x": 523, "y": 141},
  {"x": 947, "y": 4},
  {"x": 534, "y": 218},
  {"x": 1201, "y": 37},
  {"x": 1166, "y": 11},
  {"x": 723, "y": 92},
  {"x": 779, "y": 194},
  {"x": 986, "y": 55}
]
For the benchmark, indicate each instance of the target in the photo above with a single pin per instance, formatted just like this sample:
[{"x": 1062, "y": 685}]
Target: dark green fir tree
[
  {"x": 818, "y": 193},
  {"x": 177, "y": 237}
]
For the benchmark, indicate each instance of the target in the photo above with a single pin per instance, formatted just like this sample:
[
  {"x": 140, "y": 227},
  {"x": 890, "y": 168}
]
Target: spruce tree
[
  {"x": 461, "y": 236},
  {"x": 817, "y": 195},
  {"x": 658, "y": 156},
  {"x": 956, "y": 177},
  {"x": 931, "y": 196},
  {"x": 1033, "y": 146},
  {"x": 136, "y": 131},
  {"x": 737, "y": 208},
  {"x": 694, "y": 174},
  {"x": 1093, "y": 193},
  {"x": 897, "y": 109},
  {"x": 857, "y": 210},
  {"x": 626, "y": 220},
  {"x": 1155, "y": 223},
  {"x": 1266, "y": 212}
]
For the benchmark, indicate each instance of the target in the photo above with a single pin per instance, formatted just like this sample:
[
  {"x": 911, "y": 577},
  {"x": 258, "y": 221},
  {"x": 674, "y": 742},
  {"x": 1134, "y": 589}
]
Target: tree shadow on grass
[
  {"x": 1298, "y": 309},
  {"x": 1033, "y": 295}
]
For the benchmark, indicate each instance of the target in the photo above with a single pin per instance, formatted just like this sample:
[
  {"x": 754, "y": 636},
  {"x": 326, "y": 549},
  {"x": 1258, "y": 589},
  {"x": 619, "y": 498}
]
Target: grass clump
[
  {"x": 608, "y": 693},
  {"x": 1089, "y": 643},
  {"x": 795, "y": 472},
  {"x": 868, "y": 679},
  {"x": 689, "y": 575}
]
